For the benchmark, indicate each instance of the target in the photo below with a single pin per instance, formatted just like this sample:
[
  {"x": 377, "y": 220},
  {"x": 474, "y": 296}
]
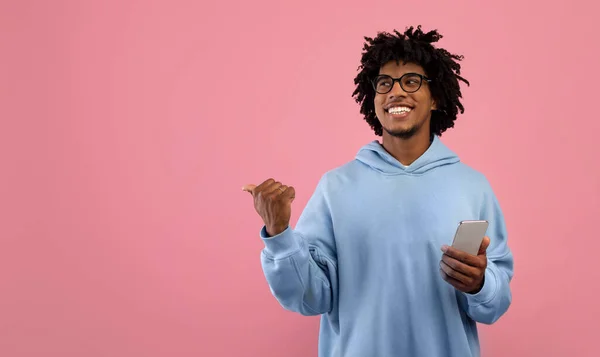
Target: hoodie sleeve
[
  {"x": 493, "y": 300},
  {"x": 300, "y": 264}
]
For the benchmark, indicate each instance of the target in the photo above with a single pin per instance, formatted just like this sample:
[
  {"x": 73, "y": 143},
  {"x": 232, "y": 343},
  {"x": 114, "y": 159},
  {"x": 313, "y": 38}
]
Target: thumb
[
  {"x": 484, "y": 245},
  {"x": 249, "y": 188}
]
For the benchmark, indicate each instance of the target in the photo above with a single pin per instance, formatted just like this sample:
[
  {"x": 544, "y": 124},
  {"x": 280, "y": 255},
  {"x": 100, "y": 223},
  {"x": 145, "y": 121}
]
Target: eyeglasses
[{"x": 409, "y": 82}]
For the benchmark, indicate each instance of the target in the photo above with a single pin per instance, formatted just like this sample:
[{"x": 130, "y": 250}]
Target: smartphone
[{"x": 469, "y": 236}]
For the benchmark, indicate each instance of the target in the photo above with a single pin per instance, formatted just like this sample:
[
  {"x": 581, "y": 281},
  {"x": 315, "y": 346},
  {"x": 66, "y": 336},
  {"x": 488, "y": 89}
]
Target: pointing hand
[{"x": 273, "y": 202}]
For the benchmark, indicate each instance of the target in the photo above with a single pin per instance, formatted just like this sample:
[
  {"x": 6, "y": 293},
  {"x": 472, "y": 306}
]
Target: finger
[
  {"x": 282, "y": 189},
  {"x": 249, "y": 188},
  {"x": 264, "y": 185},
  {"x": 484, "y": 245},
  {"x": 290, "y": 193},
  {"x": 455, "y": 274},
  {"x": 259, "y": 190},
  {"x": 461, "y": 256},
  {"x": 452, "y": 281},
  {"x": 273, "y": 188},
  {"x": 459, "y": 266},
  {"x": 276, "y": 190}
]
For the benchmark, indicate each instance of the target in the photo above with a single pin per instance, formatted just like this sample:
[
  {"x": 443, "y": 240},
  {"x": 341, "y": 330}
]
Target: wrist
[
  {"x": 479, "y": 287},
  {"x": 275, "y": 230}
]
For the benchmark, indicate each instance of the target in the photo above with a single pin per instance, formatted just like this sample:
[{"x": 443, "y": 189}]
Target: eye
[
  {"x": 384, "y": 82},
  {"x": 412, "y": 81}
]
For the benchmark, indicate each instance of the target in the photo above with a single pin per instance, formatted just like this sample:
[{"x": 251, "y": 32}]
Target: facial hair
[{"x": 405, "y": 133}]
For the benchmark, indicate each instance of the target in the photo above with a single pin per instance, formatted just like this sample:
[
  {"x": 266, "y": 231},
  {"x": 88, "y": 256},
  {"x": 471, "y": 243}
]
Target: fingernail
[{"x": 444, "y": 248}]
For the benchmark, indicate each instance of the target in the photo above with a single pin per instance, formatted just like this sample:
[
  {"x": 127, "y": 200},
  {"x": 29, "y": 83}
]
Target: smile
[{"x": 398, "y": 110}]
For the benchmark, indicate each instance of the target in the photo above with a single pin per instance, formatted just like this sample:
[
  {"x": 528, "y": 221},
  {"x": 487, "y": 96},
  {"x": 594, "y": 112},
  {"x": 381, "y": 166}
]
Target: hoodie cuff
[
  {"x": 280, "y": 246},
  {"x": 487, "y": 292}
]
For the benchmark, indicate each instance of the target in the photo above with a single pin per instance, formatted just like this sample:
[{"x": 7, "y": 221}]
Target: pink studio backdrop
[{"x": 128, "y": 128}]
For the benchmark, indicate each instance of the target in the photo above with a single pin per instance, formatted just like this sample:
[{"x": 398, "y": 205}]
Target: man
[{"x": 370, "y": 251}]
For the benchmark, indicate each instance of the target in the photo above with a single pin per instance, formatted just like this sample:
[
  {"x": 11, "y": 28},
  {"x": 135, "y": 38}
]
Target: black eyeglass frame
[{"x": 399, "y": 80}]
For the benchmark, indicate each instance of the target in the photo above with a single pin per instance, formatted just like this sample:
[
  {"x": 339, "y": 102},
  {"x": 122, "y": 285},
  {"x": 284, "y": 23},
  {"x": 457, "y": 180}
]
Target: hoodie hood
[{"x": 376, "y": 157}]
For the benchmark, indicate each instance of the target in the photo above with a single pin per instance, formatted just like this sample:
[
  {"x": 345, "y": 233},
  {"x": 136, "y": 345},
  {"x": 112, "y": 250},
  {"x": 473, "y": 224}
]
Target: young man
[{"x": 370, "y": 251}]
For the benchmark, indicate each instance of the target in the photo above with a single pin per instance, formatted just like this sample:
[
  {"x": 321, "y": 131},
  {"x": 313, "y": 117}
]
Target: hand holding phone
[
  {"x": 463, "y": 264},
  {"x": 469, "y": 236}
]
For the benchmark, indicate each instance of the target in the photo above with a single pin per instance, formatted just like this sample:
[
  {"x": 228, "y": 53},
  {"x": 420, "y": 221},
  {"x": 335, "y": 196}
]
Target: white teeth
[{"x": 399, "y": 110}]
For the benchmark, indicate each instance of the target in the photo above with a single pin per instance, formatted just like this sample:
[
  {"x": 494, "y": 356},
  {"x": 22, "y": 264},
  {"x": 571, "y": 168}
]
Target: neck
[{"x": 407, "y": 150}]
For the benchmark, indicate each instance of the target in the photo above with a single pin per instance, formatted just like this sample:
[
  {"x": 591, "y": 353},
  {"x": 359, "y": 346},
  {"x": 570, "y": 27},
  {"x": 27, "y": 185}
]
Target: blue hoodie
[{"x": 365, "y": 255}]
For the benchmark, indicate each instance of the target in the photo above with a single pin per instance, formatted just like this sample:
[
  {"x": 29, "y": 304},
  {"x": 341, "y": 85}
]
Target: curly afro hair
[{"x": 413, "y": 46}]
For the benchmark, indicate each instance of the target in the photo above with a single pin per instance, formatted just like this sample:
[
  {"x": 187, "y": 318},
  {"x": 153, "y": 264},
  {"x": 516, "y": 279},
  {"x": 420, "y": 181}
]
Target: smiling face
[{"x": 403, "y": 114}]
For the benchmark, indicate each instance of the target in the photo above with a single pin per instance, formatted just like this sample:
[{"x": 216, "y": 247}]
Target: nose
[{"x": 396, "y": 91}]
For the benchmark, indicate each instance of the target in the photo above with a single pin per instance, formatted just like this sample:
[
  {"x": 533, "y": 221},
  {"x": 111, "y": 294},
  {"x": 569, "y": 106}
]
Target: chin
[
  {"x": 403, "y": 133},
  {"x": 405, "y": 130}
]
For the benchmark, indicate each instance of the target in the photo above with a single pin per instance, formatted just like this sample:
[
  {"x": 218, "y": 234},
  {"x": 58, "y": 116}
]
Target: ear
[{"x": 433, "y": 105}]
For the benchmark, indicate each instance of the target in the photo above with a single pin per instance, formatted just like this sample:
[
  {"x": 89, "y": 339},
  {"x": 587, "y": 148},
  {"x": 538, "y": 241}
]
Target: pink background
[{"x": 128, "y": 128}]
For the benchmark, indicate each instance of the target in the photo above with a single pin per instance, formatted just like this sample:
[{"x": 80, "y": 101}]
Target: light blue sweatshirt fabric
[{"x": 365, "y": 255}]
